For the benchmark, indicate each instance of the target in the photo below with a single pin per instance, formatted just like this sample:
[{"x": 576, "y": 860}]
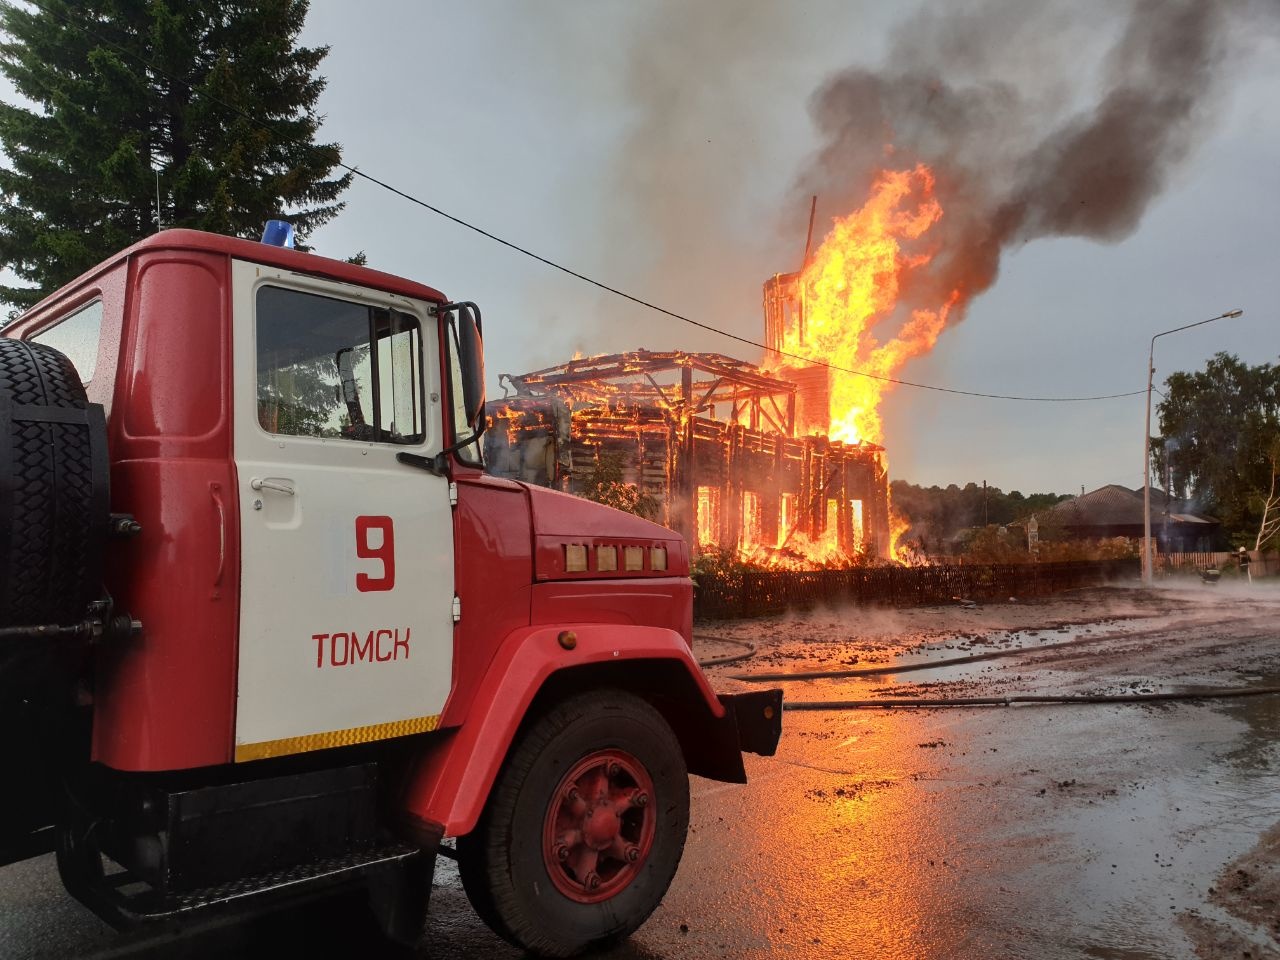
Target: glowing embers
[{"x": 831, "y": 532}]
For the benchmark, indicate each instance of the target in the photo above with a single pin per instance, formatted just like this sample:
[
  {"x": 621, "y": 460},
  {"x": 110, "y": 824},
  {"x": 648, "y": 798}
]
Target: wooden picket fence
[
  {"x": 1173, "y": 562},
  {"x": 1263, "y": 564},
  {"x": 754, "y": 593}
]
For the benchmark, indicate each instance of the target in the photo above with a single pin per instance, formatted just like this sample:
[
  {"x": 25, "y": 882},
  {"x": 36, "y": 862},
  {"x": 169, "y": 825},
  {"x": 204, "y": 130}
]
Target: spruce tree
[{"x": 214, "y": 97}]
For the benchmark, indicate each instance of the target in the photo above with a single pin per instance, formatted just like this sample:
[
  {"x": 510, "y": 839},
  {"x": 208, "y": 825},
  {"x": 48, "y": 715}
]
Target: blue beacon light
[{"x": 278, "y": 233}]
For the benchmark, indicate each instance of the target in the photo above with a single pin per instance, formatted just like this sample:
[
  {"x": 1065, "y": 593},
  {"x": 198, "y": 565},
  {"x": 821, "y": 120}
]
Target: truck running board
[
  {"x": 245, "y": 847},
  {"x": 125, "y": 901}
]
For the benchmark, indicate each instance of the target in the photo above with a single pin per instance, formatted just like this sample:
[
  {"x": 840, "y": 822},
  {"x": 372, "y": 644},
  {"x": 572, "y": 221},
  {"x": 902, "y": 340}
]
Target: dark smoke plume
[{"x": 1033, "y": 129}]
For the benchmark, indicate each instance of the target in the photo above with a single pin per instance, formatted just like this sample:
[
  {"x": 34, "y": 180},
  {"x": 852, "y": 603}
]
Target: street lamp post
[{"x": 1147, "y": 559}]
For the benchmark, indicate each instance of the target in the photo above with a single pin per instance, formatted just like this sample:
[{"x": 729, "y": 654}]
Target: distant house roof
[{"x": 1117, "y": 506}]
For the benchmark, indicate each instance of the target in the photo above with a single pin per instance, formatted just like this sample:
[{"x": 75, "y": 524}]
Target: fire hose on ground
[
  {"x": 749, "y": 651},
  {"x": 1202, "y": 693},
  {"x": 1211, "y": 693}
]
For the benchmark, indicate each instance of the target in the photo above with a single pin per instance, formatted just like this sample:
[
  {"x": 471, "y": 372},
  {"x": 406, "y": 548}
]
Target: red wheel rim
[{"x": 598, "y": 832}]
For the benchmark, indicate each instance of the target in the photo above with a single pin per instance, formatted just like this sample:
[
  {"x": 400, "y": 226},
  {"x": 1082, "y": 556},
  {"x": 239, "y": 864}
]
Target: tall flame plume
[{"x": 850, "y": 292}]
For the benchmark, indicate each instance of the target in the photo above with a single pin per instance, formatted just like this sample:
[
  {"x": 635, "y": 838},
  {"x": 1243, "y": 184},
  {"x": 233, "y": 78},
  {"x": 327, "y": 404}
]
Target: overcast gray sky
[{"x": 657, "y": 145}]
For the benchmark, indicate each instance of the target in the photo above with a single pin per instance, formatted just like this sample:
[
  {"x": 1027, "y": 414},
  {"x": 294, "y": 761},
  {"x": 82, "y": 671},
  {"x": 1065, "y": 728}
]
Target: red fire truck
[{"x": 267, "y": 629}]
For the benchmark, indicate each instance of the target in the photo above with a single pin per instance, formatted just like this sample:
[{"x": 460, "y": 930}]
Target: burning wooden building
[{"x": 719, "y": 446}]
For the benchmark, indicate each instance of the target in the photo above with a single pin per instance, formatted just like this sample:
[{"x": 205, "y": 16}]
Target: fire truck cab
[{"x": 267, "y": 629}]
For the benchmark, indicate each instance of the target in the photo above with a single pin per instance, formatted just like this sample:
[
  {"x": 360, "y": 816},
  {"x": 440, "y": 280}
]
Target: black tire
[
  {"x": 54, "y": 499},
  {"x": 54, "y": 514},
  {"x": 504, "y": 869}
]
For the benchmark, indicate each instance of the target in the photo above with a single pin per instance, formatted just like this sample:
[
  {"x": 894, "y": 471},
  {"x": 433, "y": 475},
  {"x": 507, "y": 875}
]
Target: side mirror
[
  {"x": 347, "y": 376},
  {"x": 470, "y": 343},
  {"x": 464, "y": 344}
]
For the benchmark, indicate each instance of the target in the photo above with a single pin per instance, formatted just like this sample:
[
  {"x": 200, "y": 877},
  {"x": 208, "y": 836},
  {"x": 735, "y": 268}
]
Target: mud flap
[
  {"x": 50, "y": 736},
  {"x": 400, "y": 896}
]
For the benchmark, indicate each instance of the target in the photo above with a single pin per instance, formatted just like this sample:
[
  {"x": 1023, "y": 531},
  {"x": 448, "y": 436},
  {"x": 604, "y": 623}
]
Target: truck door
[{"x": 346, "y": 594}]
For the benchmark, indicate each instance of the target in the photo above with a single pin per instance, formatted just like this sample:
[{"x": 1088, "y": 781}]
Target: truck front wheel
[{"x": 584, "y": 828}]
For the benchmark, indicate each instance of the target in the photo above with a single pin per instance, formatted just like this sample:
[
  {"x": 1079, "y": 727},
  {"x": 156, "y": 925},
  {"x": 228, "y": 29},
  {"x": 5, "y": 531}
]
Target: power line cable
[
  {"x": 705, "y": 326},
  {"x": 555, "y": 265}
]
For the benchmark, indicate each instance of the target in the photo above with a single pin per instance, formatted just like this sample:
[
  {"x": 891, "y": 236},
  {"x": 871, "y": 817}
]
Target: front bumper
[
  {"x": 752, "y": 722},
  {"x": 757, "y": 716}
]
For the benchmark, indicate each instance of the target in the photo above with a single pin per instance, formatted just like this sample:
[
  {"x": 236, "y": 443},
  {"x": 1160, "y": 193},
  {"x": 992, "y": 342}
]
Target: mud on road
[{"x": 1047, "y": 831}]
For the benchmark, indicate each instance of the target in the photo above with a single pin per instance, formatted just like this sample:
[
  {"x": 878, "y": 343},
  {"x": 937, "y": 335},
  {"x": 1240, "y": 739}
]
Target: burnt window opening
[
  {"x": 708, "y": 515},
  {"x": 752, "y": 520},
  {"x": 787, "y": 521}
]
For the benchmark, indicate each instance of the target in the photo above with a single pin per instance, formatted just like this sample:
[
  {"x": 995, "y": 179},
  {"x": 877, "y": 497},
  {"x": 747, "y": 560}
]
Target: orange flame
[
  {"x": 849, "y": 294},
  {"x": 898, "y": 525},
  {"x": 852, "y": 286}
]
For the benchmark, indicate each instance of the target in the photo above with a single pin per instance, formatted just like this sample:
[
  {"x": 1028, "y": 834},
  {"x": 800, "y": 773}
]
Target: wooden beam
[
  {"x": 702, "y": 404},
  {"x": 774, "y": 423}
]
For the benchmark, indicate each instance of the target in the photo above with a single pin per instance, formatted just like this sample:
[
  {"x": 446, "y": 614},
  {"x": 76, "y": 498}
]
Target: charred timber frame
[{"x": 559, "y": 418}]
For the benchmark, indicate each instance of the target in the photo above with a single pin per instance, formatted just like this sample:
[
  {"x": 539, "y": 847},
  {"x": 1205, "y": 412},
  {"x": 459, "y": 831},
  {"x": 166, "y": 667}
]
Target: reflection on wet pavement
[
  {"x": 974, "y": 836},
  {"x": 1048, "y": 832}
]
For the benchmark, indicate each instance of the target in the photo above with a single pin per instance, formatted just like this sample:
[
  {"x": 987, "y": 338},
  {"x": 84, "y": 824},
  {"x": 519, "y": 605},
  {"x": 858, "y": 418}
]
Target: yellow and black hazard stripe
[{"x": 335, "y": 738}]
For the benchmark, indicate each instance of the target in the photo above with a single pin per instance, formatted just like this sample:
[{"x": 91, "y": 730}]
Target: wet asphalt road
[{"x": 1037, "y": 832}]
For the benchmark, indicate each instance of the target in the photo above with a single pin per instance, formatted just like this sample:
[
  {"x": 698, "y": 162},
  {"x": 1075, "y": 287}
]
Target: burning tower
[{"x": 784, "y": 314}]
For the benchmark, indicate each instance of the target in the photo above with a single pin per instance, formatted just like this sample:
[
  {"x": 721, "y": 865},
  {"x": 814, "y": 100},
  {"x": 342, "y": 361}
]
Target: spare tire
[{"x": 54, "y": 488}]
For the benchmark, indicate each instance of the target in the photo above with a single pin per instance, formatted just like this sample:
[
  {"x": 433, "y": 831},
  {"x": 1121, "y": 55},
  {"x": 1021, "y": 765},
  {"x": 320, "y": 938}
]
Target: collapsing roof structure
[{"x": 711, "y": 439}]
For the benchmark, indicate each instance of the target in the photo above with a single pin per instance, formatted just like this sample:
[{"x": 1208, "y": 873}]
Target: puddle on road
[
  {"x": 1261, "y": 716},
  {"x": 1154, "y": 851},
  {"x": 1114, "y": 868},
  {"x": 1052, "y": 833},
  {"x": 1046, "y": 834}
]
